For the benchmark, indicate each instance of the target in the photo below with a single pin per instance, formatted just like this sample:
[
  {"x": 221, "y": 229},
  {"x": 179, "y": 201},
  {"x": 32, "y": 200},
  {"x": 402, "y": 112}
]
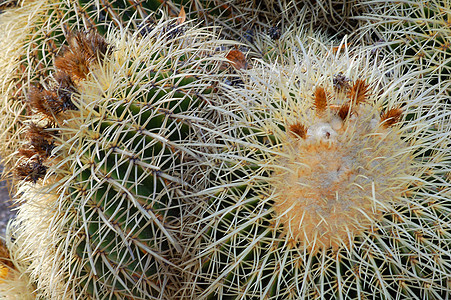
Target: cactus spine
[{"x": 331, "y": 183}]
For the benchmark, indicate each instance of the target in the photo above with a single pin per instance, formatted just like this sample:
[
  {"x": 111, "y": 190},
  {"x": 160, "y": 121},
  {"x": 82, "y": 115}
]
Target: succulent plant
[
  {"x": 36, "y": 31},
  {"x": 333, "y": 182},
  {"x": 112, "y": 147}
]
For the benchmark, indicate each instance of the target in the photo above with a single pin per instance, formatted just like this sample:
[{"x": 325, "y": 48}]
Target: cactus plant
[
  {"x": 112, "y": 147},
  {"x": 333, "y": 182},
  {"x": 35, "y": 31}
]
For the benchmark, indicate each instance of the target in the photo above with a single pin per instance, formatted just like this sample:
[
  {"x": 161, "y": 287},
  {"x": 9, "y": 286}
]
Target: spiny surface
[
  {"x": 333, "y": 177},
  {"x": 419, "y": 31}
]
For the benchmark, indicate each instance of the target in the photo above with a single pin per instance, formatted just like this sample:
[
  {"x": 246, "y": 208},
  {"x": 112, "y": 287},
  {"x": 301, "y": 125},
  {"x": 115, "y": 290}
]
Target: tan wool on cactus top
[{"x": 334, "y": 182}]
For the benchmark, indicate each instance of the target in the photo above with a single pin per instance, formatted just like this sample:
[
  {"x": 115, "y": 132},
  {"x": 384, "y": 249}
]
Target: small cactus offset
[
  {"x": 333, "y": 182},
  {"x": 113, "y": 147}
]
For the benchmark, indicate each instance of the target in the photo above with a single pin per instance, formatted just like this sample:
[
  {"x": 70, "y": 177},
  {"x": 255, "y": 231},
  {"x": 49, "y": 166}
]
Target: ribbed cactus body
[
  {"x": 419, "y": 31},
  {"x": 330, "y": 184},
  {"x": 124, "y": 158}
]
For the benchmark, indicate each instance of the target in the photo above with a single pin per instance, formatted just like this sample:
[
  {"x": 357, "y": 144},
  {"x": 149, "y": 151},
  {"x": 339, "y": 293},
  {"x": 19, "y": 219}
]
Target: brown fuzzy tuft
[
  {"x": 65, "y": 89},
  {"x": 47, "y": 102},
  {"x": 391, "y": 117},
  {"x": 90, "y": 44},
  {"x": 34, "y": 130},
  {"x": 27, "y": 152},
  {"x": 237, "y": 59},
  {"x": 74, "y": 64},
  {"x": 84, "y": 49},
  {"x": 40, "y": 140},
  {"x": 320, "y": 100},
  {"x": 343, "y": 112},
  {"x": 359, "y": 92},
  {"x": 298, "y": 130},
  {"x": 43, "y": 101},
  {"x": 31, "y": 170}
]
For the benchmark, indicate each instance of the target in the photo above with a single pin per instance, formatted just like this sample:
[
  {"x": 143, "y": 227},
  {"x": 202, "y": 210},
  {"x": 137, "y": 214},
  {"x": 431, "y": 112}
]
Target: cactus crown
[{"x": 337, "y": 172}]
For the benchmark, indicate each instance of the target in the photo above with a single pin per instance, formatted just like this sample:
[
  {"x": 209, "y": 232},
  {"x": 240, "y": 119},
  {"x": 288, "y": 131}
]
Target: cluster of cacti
[{"x": 147, "y": 168}]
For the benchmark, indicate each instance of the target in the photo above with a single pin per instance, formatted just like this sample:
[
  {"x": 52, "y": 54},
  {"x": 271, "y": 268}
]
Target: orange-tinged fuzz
[
  {"x": 298, "y": 130},
  {"x": 5, "y": 261},
  {"x": 339, "y": 179},
  {"x": 320, "y": 99},
  {"x": 344, "y": 111},
  {"x": 237, "y": 59},
  {"x": 3, "y": 272},
  {"x": 359, "y": 92},
  {"x": 84, "y": 50}
]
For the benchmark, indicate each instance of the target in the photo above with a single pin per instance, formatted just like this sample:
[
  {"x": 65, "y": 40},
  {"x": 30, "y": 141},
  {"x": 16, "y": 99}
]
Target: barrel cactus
[
  {"x": 112, "y": 148},
  {"x": 332, "y": 182}
]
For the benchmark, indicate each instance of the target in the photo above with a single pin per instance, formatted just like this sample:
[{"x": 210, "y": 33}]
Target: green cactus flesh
[{"x": 324, "y": 189}]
